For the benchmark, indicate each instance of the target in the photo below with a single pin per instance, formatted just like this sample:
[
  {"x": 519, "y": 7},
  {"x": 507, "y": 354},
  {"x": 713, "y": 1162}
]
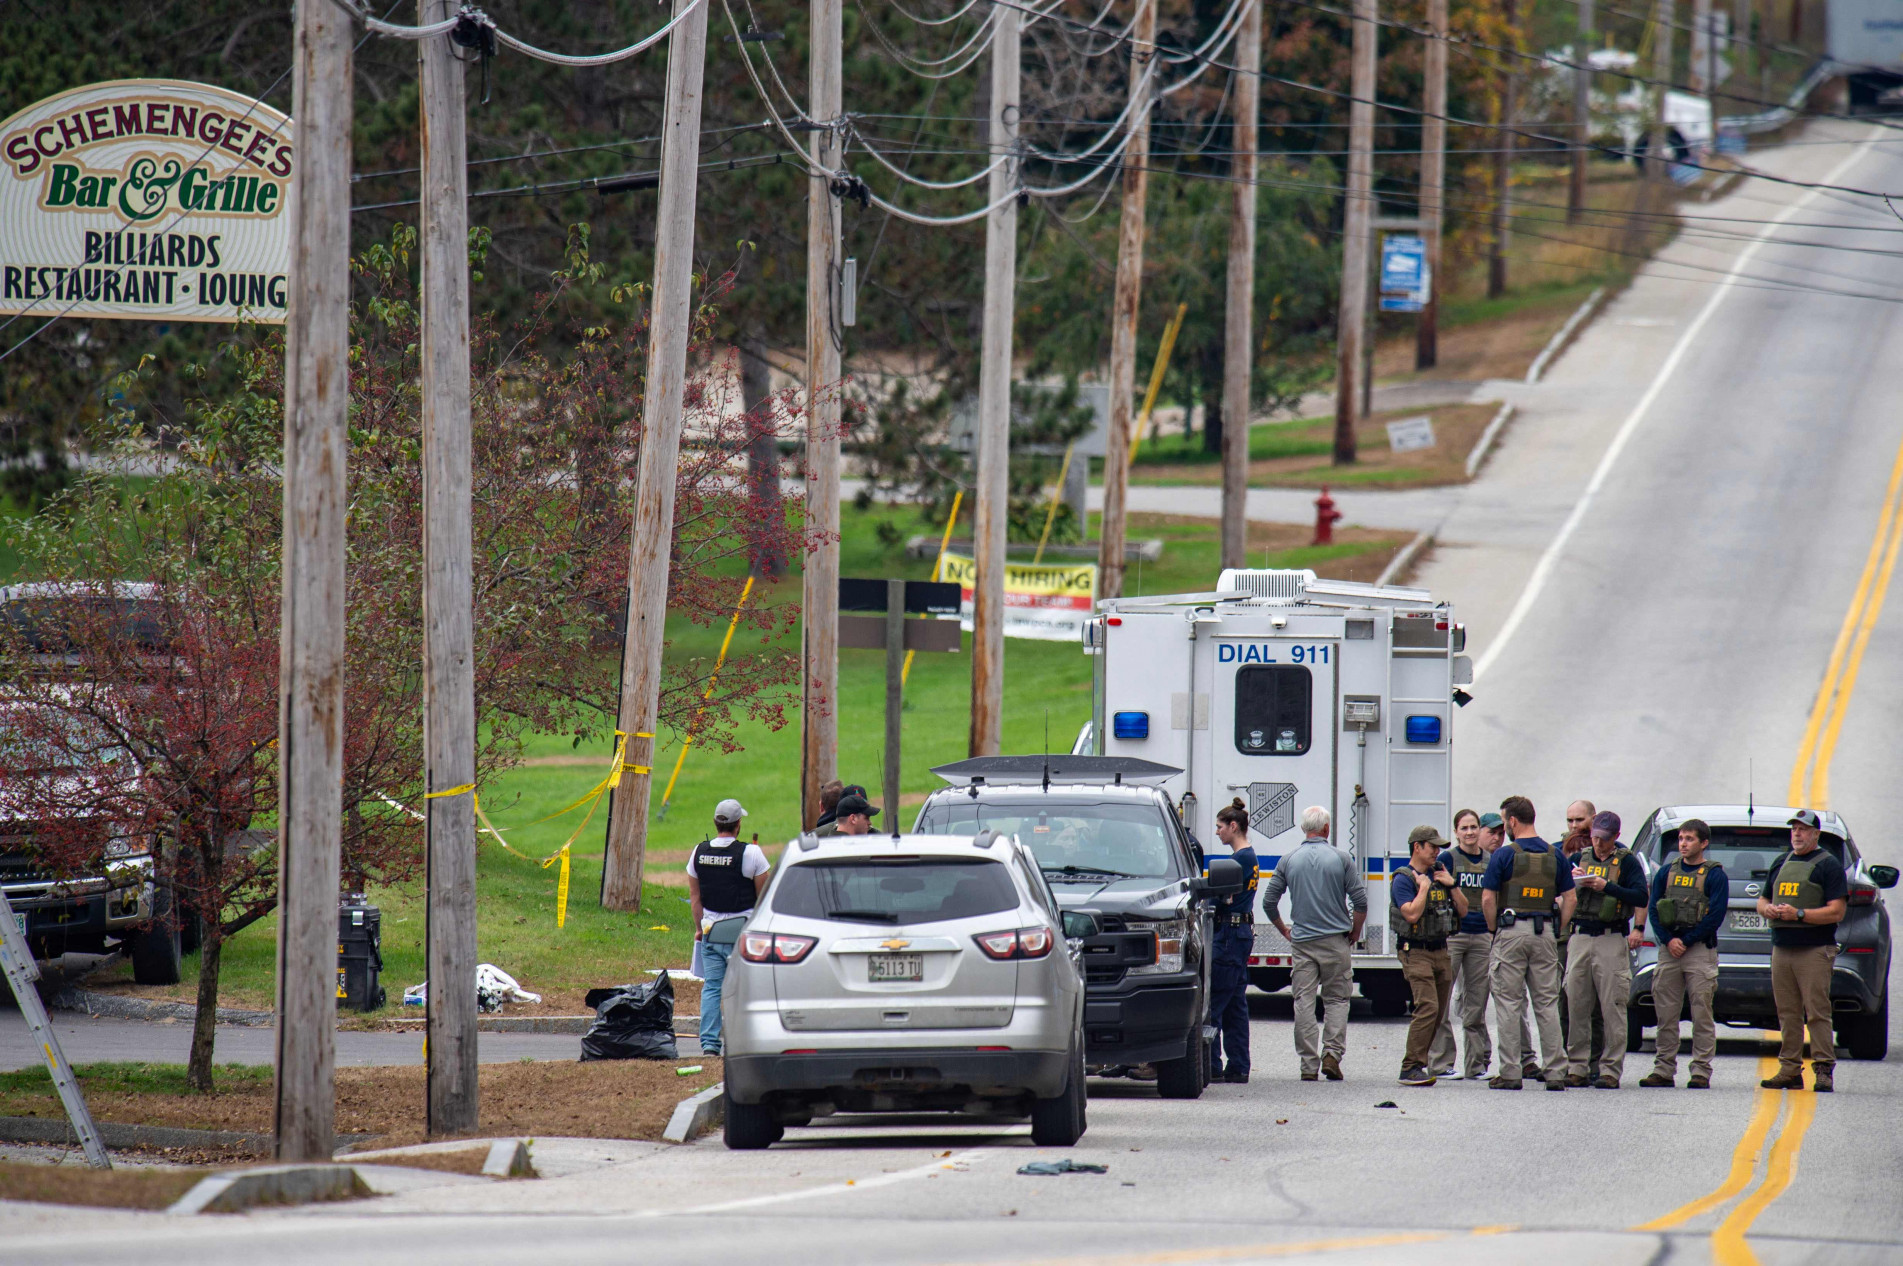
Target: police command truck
[{"x": 1290, "y": 691}]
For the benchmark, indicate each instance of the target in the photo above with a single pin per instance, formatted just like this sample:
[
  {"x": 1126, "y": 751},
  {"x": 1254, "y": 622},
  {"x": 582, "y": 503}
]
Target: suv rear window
[
  {"x": 897, "y": 891},
  {"x": 1746, "y": 852},
  {"x": 1068, "y": 836}
]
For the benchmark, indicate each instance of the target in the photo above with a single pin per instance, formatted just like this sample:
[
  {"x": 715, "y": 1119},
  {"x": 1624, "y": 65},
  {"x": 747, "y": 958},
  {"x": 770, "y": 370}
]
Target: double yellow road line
[
  {"x": 1810, "y": 776},
  {"x": 1728, "y": 1246}
]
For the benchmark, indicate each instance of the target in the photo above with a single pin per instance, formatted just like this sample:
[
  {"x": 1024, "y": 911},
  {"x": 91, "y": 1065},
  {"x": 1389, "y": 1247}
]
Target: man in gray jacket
[{"x": 1329, "y": 903}]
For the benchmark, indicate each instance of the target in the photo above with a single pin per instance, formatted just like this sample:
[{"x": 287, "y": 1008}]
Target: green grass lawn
[{"x": 1046, "y": 683}]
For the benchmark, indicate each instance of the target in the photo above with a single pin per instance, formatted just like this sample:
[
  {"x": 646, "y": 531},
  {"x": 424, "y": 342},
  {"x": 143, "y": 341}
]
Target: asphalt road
[{"x": 1686, "y": 594}]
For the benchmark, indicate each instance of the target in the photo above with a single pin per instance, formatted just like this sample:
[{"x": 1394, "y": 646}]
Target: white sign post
[{"x": 146, "y": 199}]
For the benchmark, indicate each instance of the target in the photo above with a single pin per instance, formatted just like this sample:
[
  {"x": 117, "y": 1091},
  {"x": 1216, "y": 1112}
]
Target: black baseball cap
[{"x": 851, "y": 804}]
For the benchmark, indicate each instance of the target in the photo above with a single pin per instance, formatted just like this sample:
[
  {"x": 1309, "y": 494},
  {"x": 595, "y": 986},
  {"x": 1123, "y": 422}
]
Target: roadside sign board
[
  {"x": 1404, "y": 278},
  {"x": 1047, "y": 602},
  {"x": 922, "y": 597},
  {"x": 146, "y": 199},
  {"x": 1410, "y": 434}
]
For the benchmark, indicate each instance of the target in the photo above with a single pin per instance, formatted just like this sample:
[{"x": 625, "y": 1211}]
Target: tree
[{"x": 172, "y": 735}]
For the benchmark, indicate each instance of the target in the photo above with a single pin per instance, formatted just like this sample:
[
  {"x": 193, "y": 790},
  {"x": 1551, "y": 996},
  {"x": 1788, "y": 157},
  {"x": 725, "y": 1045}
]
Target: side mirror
[
  {"x": 1080, "y": 925},
  {"x": 1883, "y": 876},
  {"x": 1225, "y": 878}
]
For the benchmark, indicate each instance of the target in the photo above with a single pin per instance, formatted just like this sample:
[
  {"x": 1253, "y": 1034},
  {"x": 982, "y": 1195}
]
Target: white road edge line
[
  {"x": 937, "y": 1165},
  {"x": 1543, "y": 570}
]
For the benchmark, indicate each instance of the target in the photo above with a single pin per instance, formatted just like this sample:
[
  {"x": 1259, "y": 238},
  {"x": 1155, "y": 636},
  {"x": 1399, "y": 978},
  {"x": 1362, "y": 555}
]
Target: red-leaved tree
[{"x": 147, "y": 684}]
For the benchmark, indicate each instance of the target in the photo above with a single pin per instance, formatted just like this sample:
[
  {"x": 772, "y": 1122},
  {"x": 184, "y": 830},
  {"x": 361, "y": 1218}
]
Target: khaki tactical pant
[
  {"x": 1598, "y": 980},
  {"x": 1526, "y": 965},
  {"x": 1800, "y": 981},
  {"x": 1694, "y": 976},
  {"x": 1324, "y": 965},
  {"x": 1469, "y": 955},
  {"x": 1430, "y": 975}
]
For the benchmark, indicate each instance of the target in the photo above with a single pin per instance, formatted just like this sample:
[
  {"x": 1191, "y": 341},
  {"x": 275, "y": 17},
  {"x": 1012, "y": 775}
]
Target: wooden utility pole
[
  {"x": 1664, "y": 13},
  {"x": 819, "y": 582},
  {"x": 1433, "y": 179},
  {"x": 1503, "y": 164},
  {"x": 449, "y": 682},
  {"x": 1124, "y": 307},
  {"x": 993, "y": 490},
  {"x": 894, "y": 698},
  {"x": 1238, "y": 324},
  {"x": 1582, "y": 113},
  {"x": 311, "y": 637},
  {"x": 652, "y": 538},
  {"x": 1357, "y": 236}
]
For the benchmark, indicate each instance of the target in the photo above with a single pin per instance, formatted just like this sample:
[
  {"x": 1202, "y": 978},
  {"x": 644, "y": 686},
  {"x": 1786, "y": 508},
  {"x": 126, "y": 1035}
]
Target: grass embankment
[
  {"x": 629, "y": 1099},
  {"x": 99, "y": 1189},
  {"x": 516, "y": 909},
  {"x": 1300, "y": 453}
]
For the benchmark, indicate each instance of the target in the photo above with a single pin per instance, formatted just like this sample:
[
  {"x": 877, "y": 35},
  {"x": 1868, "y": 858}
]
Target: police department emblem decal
[{"x": 1271, "y": 807}]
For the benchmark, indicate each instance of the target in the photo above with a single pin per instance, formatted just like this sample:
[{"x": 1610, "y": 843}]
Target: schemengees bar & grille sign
[{"x": 151, "y": 199}]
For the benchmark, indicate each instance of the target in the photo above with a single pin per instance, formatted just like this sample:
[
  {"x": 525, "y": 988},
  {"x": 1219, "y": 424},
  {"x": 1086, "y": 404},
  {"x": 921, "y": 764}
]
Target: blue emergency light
[
  {"x": 1423, "y": 729},
  {"x": 1130, "y": 725}
]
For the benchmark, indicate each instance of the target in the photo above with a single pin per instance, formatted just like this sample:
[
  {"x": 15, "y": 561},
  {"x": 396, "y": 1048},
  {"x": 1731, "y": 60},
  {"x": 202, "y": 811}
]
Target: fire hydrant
[{"x": 1325, "y": 517}]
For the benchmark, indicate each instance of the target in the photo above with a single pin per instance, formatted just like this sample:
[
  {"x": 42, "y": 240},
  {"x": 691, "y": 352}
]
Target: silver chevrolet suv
[{"x": 906, "y": 973}]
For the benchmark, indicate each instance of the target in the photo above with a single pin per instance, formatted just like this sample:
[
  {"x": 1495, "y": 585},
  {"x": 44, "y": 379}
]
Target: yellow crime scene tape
[
  {"x": 958, "y": 499},
  {"x": 694, "y": 728},
  {"x": 591, "y": 798}
]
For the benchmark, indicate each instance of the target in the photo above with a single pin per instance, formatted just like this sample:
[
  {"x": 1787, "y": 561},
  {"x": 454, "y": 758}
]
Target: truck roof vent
[{"x": 1279, "y": 585}]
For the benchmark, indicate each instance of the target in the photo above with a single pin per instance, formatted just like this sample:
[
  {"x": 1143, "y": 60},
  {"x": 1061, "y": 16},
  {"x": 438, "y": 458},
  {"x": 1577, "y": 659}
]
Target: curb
[
  {"x": 1557, "y": 344},
  {"x": 277, "y": 1184},
  {"x": 113, "y": 1006},
  {"x": 572, "y": 1025},
  {"x": 58, "y": 1130},
  {"x": 1485, "y": 444},
  {"x": 509, "y": 1158},
  {"x": 696, "y": 1116},
  {"x": 1410, "y": 553}
]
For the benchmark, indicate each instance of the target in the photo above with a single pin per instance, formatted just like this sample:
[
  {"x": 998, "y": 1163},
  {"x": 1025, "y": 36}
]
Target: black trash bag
[{"x": 632, "y": 1022}]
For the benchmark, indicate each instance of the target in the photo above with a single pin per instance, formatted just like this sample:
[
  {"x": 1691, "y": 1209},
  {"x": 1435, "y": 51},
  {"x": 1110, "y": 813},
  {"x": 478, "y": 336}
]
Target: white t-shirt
[{"x": 753, "y": 864}]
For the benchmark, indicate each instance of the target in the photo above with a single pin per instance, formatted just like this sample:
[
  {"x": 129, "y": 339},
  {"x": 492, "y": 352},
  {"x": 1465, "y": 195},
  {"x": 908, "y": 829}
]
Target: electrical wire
[{"x": 476, "y": 17}]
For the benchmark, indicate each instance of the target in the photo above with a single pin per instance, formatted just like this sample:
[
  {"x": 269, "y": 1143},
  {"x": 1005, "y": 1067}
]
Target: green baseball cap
[{"x": 1492, "y": 821}]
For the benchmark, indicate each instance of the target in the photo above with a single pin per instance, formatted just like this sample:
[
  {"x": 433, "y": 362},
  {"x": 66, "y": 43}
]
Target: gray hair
[{"x": 1314, "y": 820}]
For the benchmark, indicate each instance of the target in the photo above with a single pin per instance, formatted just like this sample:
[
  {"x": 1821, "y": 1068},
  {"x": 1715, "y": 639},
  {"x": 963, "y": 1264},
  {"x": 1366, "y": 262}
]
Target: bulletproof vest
[
  {"x": 1438, "y": 918},
  {"x": 723, "y": 888},
  {"x": 1242, "y": 904},
  {"x": 1796, "y": 885},
  {"x": 1534, "y": 887},
  {"x": 1602, "y": 907},
  {"x": 1468, "y": 874},
  {"x": 1684, "y": 903}
]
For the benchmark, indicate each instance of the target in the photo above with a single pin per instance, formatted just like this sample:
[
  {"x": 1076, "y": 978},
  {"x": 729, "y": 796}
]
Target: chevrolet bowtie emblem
[{"x": 893, "y": 945}]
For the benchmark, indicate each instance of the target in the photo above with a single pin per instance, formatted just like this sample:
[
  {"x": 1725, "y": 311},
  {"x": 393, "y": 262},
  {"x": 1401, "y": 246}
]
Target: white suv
[{"x": 905, "y": 973}]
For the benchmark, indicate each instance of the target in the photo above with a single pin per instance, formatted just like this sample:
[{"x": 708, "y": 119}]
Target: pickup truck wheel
[
  {"x": 1866, "y": 1036},
  {"x": 1183, "y": 1078},
  {"x": 1059, "y": 1120},
  {"x": 155, "y": 951},
  {"x": 750, "y": 1127}
]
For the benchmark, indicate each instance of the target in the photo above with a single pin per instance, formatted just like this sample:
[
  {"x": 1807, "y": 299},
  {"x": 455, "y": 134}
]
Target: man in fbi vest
[{"x": 1806, "y": 894}]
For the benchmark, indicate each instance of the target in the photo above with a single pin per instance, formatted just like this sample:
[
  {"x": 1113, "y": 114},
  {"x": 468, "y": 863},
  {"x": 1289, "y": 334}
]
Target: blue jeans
[{"x": 713, "y": 966}]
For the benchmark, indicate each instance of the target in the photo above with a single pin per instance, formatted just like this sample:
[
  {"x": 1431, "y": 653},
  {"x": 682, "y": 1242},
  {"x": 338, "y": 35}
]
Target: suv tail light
[
  {"x": 1019, "y": 943},
  {"x": 1863, "y": 894},
  {"x": 774, "y": 947}
]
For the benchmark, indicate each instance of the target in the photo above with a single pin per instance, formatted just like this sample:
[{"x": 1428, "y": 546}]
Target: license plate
[
  {"x": 1744, "y": 922},
  {"x": 896, "y": 967}
]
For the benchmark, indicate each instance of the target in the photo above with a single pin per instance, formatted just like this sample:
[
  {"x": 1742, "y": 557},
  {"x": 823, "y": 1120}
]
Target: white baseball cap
[{"x": 729, "y": 811}]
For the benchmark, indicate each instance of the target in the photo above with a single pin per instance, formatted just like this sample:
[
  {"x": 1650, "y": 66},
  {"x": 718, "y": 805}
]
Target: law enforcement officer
[
  {"x": 1806, "y": 894},
  {"x": 1329, "y": 906},
  {"x": 829, "y": 816},
  {"x": 1527, "y": 895},
  {"x": 1689, "y": 898},
  {"x": 1235, "y": 937},
  {"x": 854, "y": 815},
  {"x": 1468, "y": 952},
  {"x": 724, "y": 878},
  {"x": 1428, "y": 906},
  {"x": 1578, "y": 839},
  {"x": 1612, "y": 893}
]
